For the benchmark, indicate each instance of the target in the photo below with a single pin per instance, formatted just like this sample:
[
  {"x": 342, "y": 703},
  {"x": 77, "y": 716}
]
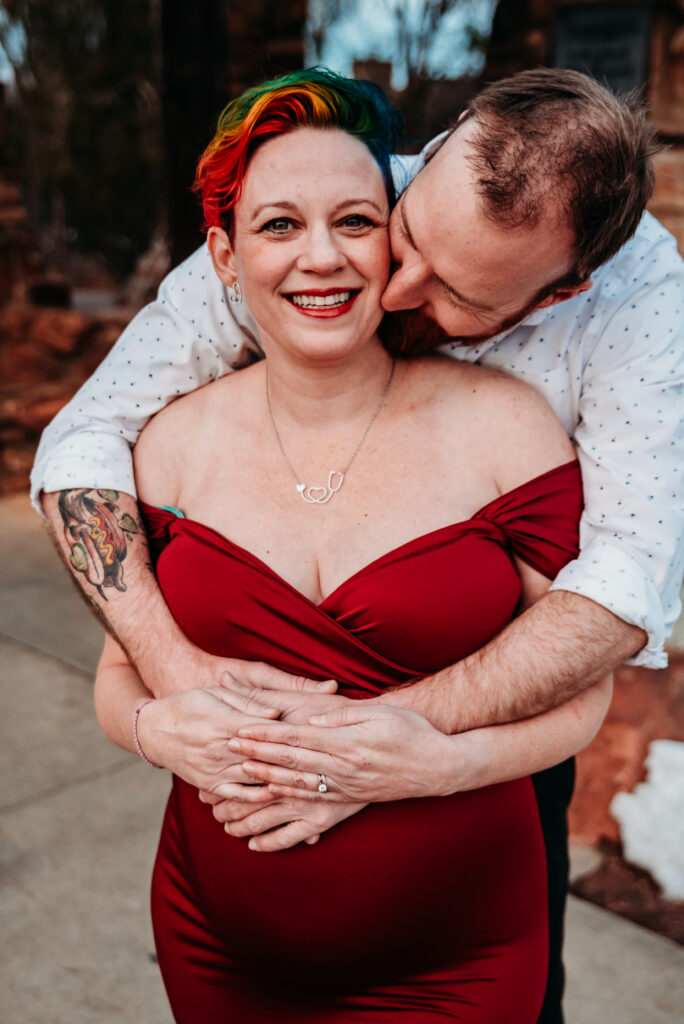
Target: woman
[{"x": 380, "y": 520}]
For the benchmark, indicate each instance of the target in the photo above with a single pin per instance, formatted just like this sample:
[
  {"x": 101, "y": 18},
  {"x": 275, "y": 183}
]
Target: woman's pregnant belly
[{"x": 405, "y": 885}]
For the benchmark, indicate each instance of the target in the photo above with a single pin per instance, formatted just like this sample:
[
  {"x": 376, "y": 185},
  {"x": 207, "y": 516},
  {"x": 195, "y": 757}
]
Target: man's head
[{"x": 542, "y": 181}]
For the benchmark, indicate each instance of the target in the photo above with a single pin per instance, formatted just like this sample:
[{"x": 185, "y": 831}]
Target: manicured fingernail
[
  {"x": 248, "y": 768},
  {"x": 235, "y": 744},
  {"x": 318, "y": 719},
  {"x": 252, "y": 845},
  {"x": 245, "y": 732}
]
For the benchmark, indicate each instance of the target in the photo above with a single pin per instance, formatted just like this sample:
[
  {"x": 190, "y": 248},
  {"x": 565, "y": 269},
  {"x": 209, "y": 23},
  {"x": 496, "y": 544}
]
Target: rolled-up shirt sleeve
[
  {"x": 162, "y": 354},
  {"x": 630, "y": 440}
]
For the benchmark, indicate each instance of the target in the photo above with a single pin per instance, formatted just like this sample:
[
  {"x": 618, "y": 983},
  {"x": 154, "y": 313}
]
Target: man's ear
[
  {"x": 222, "y": 255},
  {"x": 563, "y": 294}
]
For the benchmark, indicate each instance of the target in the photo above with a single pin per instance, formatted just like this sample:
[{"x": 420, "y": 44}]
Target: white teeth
[{"x": 308, "y": 301}]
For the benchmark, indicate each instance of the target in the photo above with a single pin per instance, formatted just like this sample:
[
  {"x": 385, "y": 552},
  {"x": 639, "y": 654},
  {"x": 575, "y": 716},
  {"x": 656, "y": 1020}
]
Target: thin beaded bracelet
[{"x": 140, "y": 750}]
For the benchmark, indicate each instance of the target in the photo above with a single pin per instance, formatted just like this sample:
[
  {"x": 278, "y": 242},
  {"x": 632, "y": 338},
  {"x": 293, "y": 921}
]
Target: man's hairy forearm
[
  {"x": 550, "y": 653},
  {"x": 102, "y": 541}
]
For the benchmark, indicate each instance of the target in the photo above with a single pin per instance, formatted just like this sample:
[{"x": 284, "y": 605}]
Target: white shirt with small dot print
[{"x": 609, "y": 361}]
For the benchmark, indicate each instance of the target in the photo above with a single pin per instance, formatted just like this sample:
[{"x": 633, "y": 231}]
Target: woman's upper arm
[{"x": 534, "y": 583}]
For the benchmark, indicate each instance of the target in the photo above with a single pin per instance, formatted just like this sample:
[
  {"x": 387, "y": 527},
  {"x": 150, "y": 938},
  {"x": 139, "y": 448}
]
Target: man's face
[{"x": 455, "y": 266}]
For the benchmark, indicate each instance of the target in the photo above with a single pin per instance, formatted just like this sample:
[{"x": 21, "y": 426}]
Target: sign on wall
[{"x": 609, "y": 42}]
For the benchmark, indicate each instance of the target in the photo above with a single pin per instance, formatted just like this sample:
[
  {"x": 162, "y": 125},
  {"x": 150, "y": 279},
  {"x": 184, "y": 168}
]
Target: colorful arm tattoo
[{"x": 97, "y": 536}]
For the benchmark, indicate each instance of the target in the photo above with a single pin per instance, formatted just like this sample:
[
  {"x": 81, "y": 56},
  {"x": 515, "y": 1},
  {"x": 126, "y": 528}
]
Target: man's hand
[
  {"x": 367, "y": 754},
  {"x": 280, "y": 824},
  {"x": 297, "y": 697}
]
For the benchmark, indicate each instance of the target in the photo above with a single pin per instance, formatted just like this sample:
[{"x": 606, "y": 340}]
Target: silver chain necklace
[{"x": 320, "y": 495}]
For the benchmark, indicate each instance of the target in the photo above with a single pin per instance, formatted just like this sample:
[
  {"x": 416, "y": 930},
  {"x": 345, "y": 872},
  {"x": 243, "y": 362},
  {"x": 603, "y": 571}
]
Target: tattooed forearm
[
  {"x": 97, "y": 535},
  {"x": 95, "y": 532}
]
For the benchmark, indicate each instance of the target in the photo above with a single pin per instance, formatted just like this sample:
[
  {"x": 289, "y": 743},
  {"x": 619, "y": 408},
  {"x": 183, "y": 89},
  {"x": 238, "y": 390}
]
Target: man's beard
[{"x": 410, "y": 332}]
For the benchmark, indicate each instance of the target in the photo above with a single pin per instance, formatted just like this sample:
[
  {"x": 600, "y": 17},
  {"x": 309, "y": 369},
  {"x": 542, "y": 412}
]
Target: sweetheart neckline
[{"x": 479, "y": 514}]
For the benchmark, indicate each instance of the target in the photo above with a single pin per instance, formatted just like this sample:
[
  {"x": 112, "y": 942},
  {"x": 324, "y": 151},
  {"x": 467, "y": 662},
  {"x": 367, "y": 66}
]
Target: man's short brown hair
[{"x": 556, "y": 140}]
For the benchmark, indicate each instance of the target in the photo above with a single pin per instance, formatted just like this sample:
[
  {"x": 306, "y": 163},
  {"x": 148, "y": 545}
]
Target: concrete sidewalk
[{"x": 79, "y": 821}]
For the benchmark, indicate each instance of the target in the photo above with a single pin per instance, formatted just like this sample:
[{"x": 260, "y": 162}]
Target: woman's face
[{"x": 310, "y": 247}]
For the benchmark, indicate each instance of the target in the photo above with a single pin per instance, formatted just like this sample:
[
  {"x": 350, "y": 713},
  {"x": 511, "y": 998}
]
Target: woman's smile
[{"x": 324, "y": 303}]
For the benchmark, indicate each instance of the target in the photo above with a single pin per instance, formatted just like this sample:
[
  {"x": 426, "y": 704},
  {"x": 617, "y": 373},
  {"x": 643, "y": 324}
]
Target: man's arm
[
  {"x": 550, "y": 653},
  {"x": 101, "y": 539}
]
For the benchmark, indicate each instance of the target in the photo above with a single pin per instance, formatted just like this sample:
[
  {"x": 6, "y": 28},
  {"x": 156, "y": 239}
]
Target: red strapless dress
[{"x": 428, "y": 909}]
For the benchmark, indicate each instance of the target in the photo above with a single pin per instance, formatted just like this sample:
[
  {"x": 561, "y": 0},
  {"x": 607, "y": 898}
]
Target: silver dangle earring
[{"x": 235, "y": 293}]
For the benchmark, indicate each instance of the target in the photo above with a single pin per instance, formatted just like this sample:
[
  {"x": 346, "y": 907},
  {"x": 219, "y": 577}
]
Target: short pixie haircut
[{"x": 313, "y": 98}]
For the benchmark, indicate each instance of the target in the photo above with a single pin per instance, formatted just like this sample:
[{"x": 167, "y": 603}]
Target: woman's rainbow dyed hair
[{"x": 315, "y": 98}]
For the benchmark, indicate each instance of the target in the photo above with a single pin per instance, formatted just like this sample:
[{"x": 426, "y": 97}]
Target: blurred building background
[{"x": 105, "y": 107}]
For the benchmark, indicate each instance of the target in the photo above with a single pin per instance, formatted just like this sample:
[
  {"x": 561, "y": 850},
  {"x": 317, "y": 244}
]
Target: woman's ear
[{"x": 222, "y": 255}]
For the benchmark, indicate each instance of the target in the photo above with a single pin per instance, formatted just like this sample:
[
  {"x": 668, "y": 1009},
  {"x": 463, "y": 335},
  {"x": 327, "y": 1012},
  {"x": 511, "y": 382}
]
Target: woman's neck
[{"x": 314, "y": 394}]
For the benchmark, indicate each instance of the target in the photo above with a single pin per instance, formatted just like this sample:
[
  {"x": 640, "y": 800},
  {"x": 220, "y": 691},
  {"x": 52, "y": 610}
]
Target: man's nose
[
  {"x": 405, "y": 288},
  {"x": 320, "y": 253}
]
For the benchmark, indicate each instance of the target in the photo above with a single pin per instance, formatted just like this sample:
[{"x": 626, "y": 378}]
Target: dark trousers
[{"x": 554, "y": 789}]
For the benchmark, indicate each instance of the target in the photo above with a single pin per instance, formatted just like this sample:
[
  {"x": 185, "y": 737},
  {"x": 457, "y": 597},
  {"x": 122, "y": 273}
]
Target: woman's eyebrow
[
  {"x": 281, "y": 204},
  {"x": 357, "y": 202},
  {"x": 286, "y": 204}
]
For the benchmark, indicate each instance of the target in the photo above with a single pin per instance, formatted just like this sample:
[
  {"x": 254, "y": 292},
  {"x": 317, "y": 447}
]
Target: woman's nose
[{"x": 321, "y": 254}]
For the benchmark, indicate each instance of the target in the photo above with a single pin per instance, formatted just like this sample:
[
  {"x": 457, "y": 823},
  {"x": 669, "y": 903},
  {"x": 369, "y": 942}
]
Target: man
[{"x": 495, "y": 240}]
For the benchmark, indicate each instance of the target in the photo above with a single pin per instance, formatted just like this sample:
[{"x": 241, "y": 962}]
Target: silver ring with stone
[{"x": 322, "y": 784}]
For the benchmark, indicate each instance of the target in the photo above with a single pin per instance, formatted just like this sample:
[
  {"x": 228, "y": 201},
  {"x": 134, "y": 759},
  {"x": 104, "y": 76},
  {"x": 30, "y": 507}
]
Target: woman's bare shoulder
[
  {"x": 167, "y": 448},
  {"x": 505, "y": 420}
]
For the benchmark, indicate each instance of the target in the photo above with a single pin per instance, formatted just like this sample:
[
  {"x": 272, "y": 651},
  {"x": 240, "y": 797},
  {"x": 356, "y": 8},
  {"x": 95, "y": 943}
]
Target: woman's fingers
[
  {"x": 262, "y": 820},
  {"x": 288, "y": 734},
  {"x": 209, "y": 798},
  {"x": 284, "y": 838},
  {"x": 281, "y": 754},
  {"x": 281, "y": 792},
  {"x": 243, "y": 794},
  {"x": 228, "y": 812},
  {"x": 302, "y": 783}
]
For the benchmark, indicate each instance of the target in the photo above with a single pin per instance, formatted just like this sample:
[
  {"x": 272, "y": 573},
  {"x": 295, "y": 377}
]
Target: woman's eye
[
  {"x": 277, "y": 226},
  {"x": 356, "y": 221}
]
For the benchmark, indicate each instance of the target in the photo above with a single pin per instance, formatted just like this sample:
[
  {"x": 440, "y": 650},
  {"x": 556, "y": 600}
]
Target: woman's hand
[
  {"x": 282, "y": 823},
  {"x": 367, "y": 753},
  {"x": 189, "y": 732}
]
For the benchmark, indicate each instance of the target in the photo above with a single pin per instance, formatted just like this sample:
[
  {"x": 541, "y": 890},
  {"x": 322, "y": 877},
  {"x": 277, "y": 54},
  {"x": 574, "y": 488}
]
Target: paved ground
[{"x": 79, "y": 821}]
